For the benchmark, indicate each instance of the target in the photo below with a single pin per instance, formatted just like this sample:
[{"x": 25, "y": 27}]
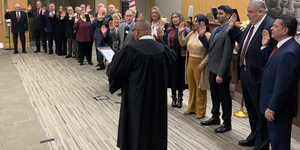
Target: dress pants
[
  {"x": 38, "y": 34},
  {"x": 72, "y": 46},
  {"x": 50, "y": 41},
  {"x": 61, "y": 48},
  {"x": 220, "y": 93},
  {"x": 258, "y": 122},
  {"x": 22, "y": 38},
  {"x": 197, "y": 97},
  {"x": 99, "y": 56},
  {"x": 280, "y": 131},
  {"x": 85, "y": 49}
]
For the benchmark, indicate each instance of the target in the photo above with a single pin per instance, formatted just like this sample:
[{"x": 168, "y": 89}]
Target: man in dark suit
[
  {"x": 249, "y": 69},
  {"x": 219, "y": 48},
  {"x": 280, "y": 78},
  {"x": 38, "y": 26},
  {"x": 50, "y": 25},
  {"x": 19, "y": 26}
]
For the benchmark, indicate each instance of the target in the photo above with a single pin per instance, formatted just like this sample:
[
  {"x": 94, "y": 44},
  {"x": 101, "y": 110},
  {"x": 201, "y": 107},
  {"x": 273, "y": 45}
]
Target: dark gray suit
[
  {"x": 220, "y": 47},
  {"x": 119, "y": 34}
]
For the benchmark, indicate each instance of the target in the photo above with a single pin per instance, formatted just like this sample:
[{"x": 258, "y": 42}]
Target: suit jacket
[
  {"x": 219, "y": 51},
  {"x": 119, "y": 35},
  {"x": 98, "y": 33},
  {"x": 69, "y": 31},
  {"x": 39, "y": 22},
  {"x": 254, "y": 61},
  {"x": 18, "y": 26},
  {"x": 60, "y": 30},
  {"x": 280, "y": 78},
  {"x": 50, "y": 22}
]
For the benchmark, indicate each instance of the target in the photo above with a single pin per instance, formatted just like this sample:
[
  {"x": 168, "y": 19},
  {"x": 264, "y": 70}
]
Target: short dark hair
[
  {"x": 201, "y": 17},
  {"x": 290, "y": 22},
  {"x": 227, "y": 9}
]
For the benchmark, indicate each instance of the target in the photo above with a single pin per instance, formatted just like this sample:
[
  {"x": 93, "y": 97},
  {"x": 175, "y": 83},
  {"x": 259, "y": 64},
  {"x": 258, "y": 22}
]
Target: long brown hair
[
  {"x": 158, "y": 11},
  {"x": 57, "y": 13},
  {"x": 181, "y": 19}
]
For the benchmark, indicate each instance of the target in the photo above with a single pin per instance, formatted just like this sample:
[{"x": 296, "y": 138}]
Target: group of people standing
[{"x": 197, "y": 60}]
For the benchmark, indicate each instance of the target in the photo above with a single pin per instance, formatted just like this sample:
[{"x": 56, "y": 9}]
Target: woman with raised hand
[{"x": 196, "y": 70}]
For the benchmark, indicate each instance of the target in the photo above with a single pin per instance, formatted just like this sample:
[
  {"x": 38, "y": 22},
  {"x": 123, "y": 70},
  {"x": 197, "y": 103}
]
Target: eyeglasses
[{"x": 135, "y": 29}]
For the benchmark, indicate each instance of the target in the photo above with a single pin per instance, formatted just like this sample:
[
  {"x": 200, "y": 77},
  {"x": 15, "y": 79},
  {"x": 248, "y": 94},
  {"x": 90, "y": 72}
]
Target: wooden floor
[{"x": 72, "y": 105}]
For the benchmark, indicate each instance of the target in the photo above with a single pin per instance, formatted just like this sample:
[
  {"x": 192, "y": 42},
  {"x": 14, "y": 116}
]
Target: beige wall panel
[{"x": 2, "y": 24}]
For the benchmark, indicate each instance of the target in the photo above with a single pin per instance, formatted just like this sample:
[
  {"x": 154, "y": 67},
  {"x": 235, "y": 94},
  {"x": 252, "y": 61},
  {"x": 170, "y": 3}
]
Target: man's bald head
[{"x": 141, "y": 28}]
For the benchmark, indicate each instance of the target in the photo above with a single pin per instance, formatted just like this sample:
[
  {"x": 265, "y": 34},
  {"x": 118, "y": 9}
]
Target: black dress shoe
[
  {"x": 68, "y": 56},
  {"x": 50, "y": 53},
  {"x": 24, "y": 52},
  {"x": 36, "y": 51},
  {"x": 81, "y": 63},
  {"x": 45, "y": 51},
  {"x": 211, "y": 121},
  {"x": 97, "y": 65},
  {"x": 246, "y": 143},
  {"x": 101, "y": 68},
  {"x": 16, "y": 52},
  {"x": 223, "y": 128},
  {"x": 90, "y": 63}
]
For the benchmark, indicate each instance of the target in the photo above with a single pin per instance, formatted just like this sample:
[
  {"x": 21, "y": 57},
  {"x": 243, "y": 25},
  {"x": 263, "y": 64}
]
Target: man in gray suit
[
  {"x": 124, "y": 34},
  {"x": 219, "y": 47}
]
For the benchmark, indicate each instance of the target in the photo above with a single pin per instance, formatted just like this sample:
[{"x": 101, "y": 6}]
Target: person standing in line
[
  {"x": 38, "y": 26},
  {"x": 84, "y": 37},
  {"x": 176, "y": 79},
  {"x": 219, "y": 47},
  {"x": 60, "y": 27},
  {"x": 69, "y": 32},
  {"x": 280, "y": 79},
  {"x": 249, "y": 69},
  {"x": 19, "y": 26},
  {"x": 196, "y": 70},
  {"x": 50, "y": 25}
]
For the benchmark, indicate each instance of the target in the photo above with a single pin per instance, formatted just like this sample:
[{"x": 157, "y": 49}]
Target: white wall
[
  {"x": 140, "y": 6},
  {"x": 167, "y": 7}
]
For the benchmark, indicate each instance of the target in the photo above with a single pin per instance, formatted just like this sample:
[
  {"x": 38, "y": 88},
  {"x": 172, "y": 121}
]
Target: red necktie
[
  {"x": 245, "y": 47},
  {"x": 18, "y": 17},
  {"x": 38, "y": 12},
  {"x": 275, "y": 48}
]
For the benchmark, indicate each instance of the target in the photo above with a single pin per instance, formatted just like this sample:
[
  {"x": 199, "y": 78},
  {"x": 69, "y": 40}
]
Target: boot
[
  {"x": 174, "y": 100},
  {"x": 179, "y": 103}
]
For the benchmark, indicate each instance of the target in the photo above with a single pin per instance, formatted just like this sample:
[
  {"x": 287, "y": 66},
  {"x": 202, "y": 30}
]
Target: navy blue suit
[
  {"x": 251, "y": 79},
  {"x": 279, "y": 91},
  {"x": 18, "y": 27}
]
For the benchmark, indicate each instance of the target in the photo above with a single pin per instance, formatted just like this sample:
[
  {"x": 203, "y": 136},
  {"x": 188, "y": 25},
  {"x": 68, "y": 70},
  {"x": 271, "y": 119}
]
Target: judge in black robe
[{"x": 140, "y": 69}]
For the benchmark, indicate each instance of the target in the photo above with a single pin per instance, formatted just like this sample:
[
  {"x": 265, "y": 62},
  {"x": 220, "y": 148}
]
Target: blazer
[
  {"x": 219, "y": 51},
  {"x": 50, "y": 22},
  {"x": 119, "y": 35},
  {"x": 254, "y": 61},
  {"x": 69, "y": 31},
  {"x": 39, "y": 22},
  {"x": 18, "y": 26},
  {"x": 98, "y": 33},
  {"x": 280, "y": 78}
]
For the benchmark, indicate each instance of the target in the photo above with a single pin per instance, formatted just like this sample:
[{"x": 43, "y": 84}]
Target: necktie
[
  {"x": 217, "y": 31},
  {"x": 18, "y": 17},
  {"x": 275, "y": 48},
  {"x": 126, "y": 32},
  {"x": 245, "y": 47},
  {"x": 38, "y": 12}
]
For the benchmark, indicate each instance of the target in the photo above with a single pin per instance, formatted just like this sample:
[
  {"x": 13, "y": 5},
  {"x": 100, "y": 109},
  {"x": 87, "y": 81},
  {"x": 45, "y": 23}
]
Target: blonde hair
[
  {"x": 158, "y": 11},
  {"x": 115, "y": 15}
]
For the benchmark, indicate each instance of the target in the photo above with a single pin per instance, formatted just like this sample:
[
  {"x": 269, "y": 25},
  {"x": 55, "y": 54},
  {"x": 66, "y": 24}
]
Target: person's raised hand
[
  {"x": 43, "y": 10},
  {"x": 88, "y": 9},
  {"x": 29, "y": 8},
  {"x": 103, "y": 30},
  {"x": 232, "y": 21},
  {"x": 63, "y": 14},
  {"x": 265, "y": 38},
  {"x": 111, "y": 26},
  {"x": 76, "y": 19},
  {"x": 202, "y": 28},
  {"x": 7, "y": 9},
  {"x": 50, "y": 13},
  {"x": 92, "y": 18},
  {"x": 181, "y": 27}
]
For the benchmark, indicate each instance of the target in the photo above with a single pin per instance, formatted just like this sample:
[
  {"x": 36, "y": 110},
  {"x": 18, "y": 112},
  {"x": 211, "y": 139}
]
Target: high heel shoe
[
  {"x": 179, "y": 102},
  {"x": 174, "y": 100}
]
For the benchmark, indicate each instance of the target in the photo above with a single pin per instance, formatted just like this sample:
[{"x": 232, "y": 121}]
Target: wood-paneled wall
[
  {"x": 203, "y": 6},
  {"x": 117, "y": 4}
]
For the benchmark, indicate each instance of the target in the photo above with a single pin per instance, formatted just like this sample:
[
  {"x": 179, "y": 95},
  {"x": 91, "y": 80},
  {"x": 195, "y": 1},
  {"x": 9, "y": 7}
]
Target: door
[{"x": 2, "y": 23}]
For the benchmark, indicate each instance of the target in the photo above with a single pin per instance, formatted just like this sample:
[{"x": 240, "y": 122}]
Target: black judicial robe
[{"x": 140, "y": 69}]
